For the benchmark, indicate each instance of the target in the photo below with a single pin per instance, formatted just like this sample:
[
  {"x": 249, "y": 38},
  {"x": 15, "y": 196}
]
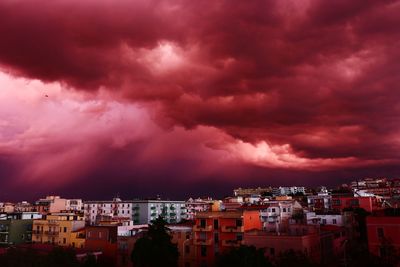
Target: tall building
[{"x": 139, "y": 211}]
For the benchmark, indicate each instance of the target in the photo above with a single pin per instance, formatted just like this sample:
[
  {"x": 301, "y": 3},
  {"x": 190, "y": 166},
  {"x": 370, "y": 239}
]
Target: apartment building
[
  {"x": 58, "y": 228},
  {"x": 284, "y": 191},
  {"x": 182, "y": 236},
  {"x": 139, "y": 211},
  {"x": 369, "y": 204},
  {"x": 277, "y": 215},
  {"x": 52, "y": 204},
  {"x": 320, "y": 202},
  {"x": 16, "y": 228},
  {"x": 218, "y": 231}
]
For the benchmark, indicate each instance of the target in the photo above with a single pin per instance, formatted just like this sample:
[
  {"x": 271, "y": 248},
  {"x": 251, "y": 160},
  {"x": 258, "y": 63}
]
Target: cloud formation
[{"x": 294, "y": 85}]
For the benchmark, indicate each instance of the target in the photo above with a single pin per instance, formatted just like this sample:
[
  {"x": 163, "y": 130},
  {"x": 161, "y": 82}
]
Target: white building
[
  {"x": 193, "y": 206},
  {"x": 139, "y": 211},
  {"x": 278, "y": 213},
  {"x": 325, "y": 219},
  {"x": 52, "y": 204},
  {"x": 284, "y": 191},
  {"x": 322, "y": 201}
]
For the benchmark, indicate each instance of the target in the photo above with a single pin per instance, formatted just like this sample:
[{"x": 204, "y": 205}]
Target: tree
[
  {"x": 155, "y": 248},
  {"x": 291, "y": 258},
  {"x": 244, "y": 256}
]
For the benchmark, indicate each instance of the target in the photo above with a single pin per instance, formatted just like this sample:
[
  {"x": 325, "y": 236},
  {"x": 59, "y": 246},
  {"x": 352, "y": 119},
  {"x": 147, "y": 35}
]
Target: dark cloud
[{"x": 319, "y": 76}]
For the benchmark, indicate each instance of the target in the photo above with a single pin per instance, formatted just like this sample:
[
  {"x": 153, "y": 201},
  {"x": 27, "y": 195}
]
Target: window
[
  {"x": 334, "y": 221},
  {"x": 65, "y": 229},
  {"x": 203, "y": 223},
  {"x": 216, "y": 226},
  {"x": 216, "y": 238},
  {"x": 239, "y": 223},
  {"x": 284, "y": 209},
  {"x": 187, "y": 249},
  {"x": 64, "y": 240},
  {"x": 323, "y": 221},
  {"x": 273, "y": 209},
  {"x": 239, "y": 237},
  {"x": 203, "y": 251},
  {"x": 380, "y": 232}
]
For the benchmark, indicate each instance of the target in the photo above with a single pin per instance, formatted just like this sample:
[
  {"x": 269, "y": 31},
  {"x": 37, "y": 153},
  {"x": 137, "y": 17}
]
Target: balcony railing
[
  {"x": 231, "y": 243},
  {"x": 51, "y": 233},
  {"x": 200, "y": 228},
  {"x": 232, "y": 229},
  {"x": 203, "y": 242}
]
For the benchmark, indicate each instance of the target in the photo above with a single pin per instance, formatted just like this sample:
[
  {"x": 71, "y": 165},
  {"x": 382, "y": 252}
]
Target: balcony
[
  {"x": 231, "y": 243},
  {"x": 232, "y": 229},
  {"x": 199, "y": 228},
  {"x": 52, "y": 233},
  {"x": 37, "y": 232},
  {"x": 202, "y": 242}
]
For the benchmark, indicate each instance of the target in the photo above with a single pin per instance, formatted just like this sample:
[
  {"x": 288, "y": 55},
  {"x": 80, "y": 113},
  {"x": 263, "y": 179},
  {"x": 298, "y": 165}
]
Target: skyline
[{"x": 179, "y": 98}]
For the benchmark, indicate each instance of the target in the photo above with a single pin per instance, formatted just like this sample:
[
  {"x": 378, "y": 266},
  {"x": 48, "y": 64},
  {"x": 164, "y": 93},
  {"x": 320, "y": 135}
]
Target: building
[
  {"x": 193, "y": 206},
  {"x": 139, "y": 211},
  {"x": 284, "y": 191},
  {"x": 320, "y": 202},
  {"x": 216, "y": 232},
  {"x": 52, "y": 204},
  {"x": 261, "y": 191},
  {"x": 302, "y": 238},
  {"x": 370, "y": 204},
  {"x": 59, "y": 229},
  {"x": 149, "y": 210},
  {"x": 383, "y": 235},
  {"x": 104, "y": 239},
  {"x": 182, "y": 236},
  {"x": 276, "y": 217},
  {"x": 16, "y": 228},
  {"x": 325, "y": 218},
  {"x": 7, "y": 207}
]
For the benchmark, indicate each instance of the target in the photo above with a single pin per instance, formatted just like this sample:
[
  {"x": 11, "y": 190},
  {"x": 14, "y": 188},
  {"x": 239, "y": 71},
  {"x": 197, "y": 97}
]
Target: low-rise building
[
  {"x": 104, "y": 239},
  {"x": 370, "y": 204},
  {"x": 52, "y": 204},
  {"x": 58, "y": 228},
  {"x": 193, "y": 206},
  {"x": 216, "y": 232},
  {"x": 383, "y": 235}
]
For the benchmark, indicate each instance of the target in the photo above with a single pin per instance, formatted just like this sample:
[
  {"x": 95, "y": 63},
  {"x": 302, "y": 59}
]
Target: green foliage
[
  {"x": 244, "y": 256},
  {"x": 155, "y": 249}
]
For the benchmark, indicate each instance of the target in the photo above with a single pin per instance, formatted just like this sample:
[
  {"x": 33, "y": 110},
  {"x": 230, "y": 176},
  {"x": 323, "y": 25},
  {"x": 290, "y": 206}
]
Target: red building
[
  {"x": 104, "y": 239},
  {"x": 216, "y": 232},
  {"x": 383, "y": 235},
  {"x": 369, "y": 204}
]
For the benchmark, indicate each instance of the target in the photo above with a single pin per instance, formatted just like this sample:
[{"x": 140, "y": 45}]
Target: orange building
[
  {"x": 383, "y": 235},
  {"x": 216, "y": 232},
  {"x": 367, "y": 203},
  {"x": 104, "y": 239}
]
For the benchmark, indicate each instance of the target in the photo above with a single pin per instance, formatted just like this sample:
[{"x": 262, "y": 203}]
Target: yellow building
[{"x": 60, "y": 229}]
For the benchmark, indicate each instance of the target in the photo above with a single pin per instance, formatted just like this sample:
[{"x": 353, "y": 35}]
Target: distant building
[
  {"x": 261, "y": 191},
  {"x": 52, "y": 204},
  {"x": 193, "y": 206},
  {"x": 16, "y": 228},
  {"x": 139, "y": 211},
  {"x": 320, "y": 202},
  {"x": 292, "y": 190}
]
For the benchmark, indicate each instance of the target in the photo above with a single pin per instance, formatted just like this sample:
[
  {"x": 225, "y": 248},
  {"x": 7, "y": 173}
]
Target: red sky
[{"x": 184, "y": 98}]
